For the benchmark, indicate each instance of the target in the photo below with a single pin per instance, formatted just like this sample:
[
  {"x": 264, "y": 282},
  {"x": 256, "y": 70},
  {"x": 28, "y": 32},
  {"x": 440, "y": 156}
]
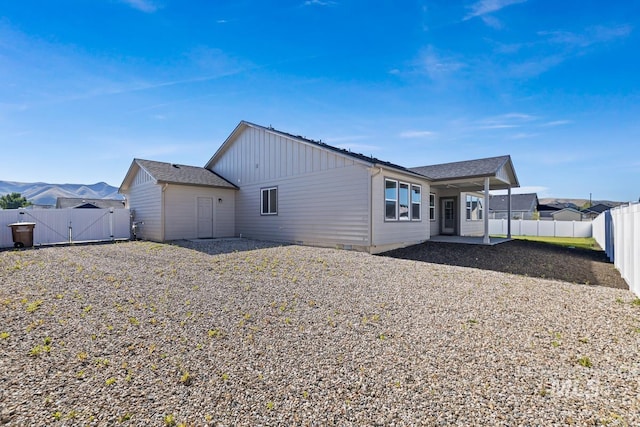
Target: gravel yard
[{"x": 237, "y": 332}]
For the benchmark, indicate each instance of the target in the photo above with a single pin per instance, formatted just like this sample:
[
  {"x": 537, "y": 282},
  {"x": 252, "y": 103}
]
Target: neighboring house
[
  {"x": 84, "y": 203},
  {"x": 567, "y": 214},
  {"x": 287, "y": 188},
  {"x": 545, "y": 212},
  {"x": 595, "y": 210},
  {"x": 172, "y": 202},
  {"x": 523, "y": 206}
]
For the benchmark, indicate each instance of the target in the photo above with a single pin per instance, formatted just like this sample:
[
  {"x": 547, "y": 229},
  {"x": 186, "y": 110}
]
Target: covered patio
[{"x": 463, "y": 188}]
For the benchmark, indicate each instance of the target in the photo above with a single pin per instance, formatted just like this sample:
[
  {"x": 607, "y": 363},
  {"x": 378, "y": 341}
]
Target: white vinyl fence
[
  {"x": 67, "y": 225},
  {"x": 527, "y": 227},
  {"x": 618, "y": 232}
]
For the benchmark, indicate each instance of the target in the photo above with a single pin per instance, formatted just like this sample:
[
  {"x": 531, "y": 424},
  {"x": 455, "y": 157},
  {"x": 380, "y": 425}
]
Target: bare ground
[{"x": 526, "y": 258}]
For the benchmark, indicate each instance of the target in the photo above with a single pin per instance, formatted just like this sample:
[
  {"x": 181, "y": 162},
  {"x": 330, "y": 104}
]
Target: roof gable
[{"x": 369, "y": 160}]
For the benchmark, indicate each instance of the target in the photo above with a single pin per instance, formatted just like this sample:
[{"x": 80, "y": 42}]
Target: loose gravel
[{"x": 238, "y": 332}]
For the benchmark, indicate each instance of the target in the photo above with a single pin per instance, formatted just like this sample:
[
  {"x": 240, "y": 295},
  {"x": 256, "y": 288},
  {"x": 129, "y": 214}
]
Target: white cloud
[
  {"x": 540, "y": 190},
  {"x": 556, "y": 123},
  {"x": 146, "y": 6},
  {"x": 484, "y": 7},
  {"x": 319, "y": 3},
  {"x": 592, "y": 35},
  {"x": 437, "y": 66},
  {"x": 523, "y": 135},
  {"x": 416, "y": 134}
]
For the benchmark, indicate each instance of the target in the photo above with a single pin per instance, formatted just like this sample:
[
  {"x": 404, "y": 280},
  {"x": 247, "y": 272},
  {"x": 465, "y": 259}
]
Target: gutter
[{"x": 371, "y": 205}]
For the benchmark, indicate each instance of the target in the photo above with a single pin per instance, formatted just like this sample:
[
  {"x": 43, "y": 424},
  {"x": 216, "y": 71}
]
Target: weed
[
  {"x": 134, "y": 321},
  {"x": 636, "y": 302},
  {"x": 169, "y": 420},
  {"x": 555, "y": 343},
  {"x": 305, "y": 394},
  {"x": 57, "y": 415},
  {"x": 270, "y": 405},
  {"x": 110, "y": 381},
  {"x": 186, "y": 378},
  {"x": 225, "y": 377},
  {"x": 208, "y": 418},
  {"x": 585, "y": 361},
  {"x": 33, "y": 306},
  {"x": 382, "y": 337},
  {"x": 4, "y": 335},
  {"x": 87, "y": 308},
  {"x": 125, "y": 417}
]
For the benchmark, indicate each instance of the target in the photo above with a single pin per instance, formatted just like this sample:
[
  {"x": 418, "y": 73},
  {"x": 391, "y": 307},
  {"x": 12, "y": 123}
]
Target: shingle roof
[
  {"x": 519, "y": 202},
  {"x": 172, "y": 173},
  {"x": 465, "y": 169}
]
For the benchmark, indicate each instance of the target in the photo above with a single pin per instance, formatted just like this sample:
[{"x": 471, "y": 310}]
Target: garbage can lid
[{"x": 21, "y": 223}]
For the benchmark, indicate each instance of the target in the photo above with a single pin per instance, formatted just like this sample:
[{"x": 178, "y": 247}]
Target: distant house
[
  {"x": 84, "y": 203},
  {"x": 267, "y": 184},
  {"x": 523, "y": 206},
  {"x": 595, "y": 210},
  {"x": 567, "y": 214}
]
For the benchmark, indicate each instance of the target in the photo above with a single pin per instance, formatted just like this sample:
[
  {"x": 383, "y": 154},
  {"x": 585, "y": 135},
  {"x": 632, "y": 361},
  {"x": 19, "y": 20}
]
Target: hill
[
  {"x": 578, "y": 202},
  {"x": 41, "y": 193}
]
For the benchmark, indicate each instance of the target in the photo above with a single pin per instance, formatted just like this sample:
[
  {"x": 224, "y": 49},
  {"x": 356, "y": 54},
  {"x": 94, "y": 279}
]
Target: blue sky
[{"x": 86, "y": 86}]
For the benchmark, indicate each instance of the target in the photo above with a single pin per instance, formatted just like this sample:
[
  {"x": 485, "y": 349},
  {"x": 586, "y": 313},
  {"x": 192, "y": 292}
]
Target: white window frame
[
  {"x": 413, "y": 203},
  {"x": 272, "y": 208},
  {"x": 432, "y": 207},
  {"x": 396, "y": 200}
]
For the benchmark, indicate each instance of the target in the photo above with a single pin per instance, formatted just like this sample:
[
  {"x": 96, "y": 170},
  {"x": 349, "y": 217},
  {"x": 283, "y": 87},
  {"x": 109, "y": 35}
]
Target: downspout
[
  {"x": 509, "y": 212},
  {"x": 371, "y": 207},
  {"x": 162, "y": 225},
  {"x": 485, "y": 214}
]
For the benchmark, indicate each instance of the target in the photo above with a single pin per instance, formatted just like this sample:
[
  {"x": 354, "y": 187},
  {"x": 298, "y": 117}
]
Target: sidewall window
[
  {"x": 402, "y": 201},
  {"x": 269, "y": 201},
  {"x": 390, "y": 200}
]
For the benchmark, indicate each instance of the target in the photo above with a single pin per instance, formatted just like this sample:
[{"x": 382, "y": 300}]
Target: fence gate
[{"x": 68, "y": 225}]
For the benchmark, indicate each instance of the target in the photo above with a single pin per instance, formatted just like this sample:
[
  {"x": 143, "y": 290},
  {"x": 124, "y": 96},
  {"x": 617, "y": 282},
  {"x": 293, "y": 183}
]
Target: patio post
[
  {"x": 485, "y": 214},
  {"x": 509, "y": 212}
]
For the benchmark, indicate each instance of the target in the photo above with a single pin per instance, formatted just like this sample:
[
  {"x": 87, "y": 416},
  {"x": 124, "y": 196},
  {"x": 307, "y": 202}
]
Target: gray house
[
  {"x": 266, "y": 184},
  {"x": 523, "y": 206}
]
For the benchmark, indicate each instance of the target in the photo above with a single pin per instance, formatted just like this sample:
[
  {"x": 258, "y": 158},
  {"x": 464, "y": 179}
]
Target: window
[
  {"x": 432, "y": 207},
  {"x": 403, "y": 201},
  {"x": 474, "y": 208},
  {"x": 390, "y": 199},
  {"x": 416, "y": 202},
  {"x": 269, "y": 201}
]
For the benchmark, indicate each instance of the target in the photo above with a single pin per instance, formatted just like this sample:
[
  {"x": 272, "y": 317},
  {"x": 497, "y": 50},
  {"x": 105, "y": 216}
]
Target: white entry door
[
  {"x": 448, "y": 216},
  {"x": 205, "y": 217}
]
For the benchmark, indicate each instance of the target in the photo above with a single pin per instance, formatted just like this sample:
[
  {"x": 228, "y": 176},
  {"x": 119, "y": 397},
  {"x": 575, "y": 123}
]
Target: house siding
[
  {"x": 180, "y": 206},
  {"x": 322, "y": 196},
  {"x": 388, "y": 234},
  {"x": 145, "y": 199}
]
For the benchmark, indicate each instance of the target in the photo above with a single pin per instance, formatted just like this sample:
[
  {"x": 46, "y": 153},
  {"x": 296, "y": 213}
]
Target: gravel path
[{"x": 245, "y": 333}]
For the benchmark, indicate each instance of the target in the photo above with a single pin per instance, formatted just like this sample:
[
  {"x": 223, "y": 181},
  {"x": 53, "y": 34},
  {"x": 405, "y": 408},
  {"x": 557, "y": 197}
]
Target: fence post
[
  {"x": 70, "y": 233},
  {"x": 111, "y": 223}
]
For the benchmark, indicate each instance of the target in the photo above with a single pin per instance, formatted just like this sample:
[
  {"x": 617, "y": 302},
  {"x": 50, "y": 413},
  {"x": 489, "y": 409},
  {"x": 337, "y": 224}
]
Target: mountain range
[{"x": 41, "y": 193}]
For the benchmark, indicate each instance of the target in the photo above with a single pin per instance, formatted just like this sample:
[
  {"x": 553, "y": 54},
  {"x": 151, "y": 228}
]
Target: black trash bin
[{"x": 22, "y": 233}]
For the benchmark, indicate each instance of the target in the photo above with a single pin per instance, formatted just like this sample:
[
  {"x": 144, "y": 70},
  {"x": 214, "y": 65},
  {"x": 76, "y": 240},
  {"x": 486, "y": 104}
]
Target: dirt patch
[{"x": 521, "y": 257}]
